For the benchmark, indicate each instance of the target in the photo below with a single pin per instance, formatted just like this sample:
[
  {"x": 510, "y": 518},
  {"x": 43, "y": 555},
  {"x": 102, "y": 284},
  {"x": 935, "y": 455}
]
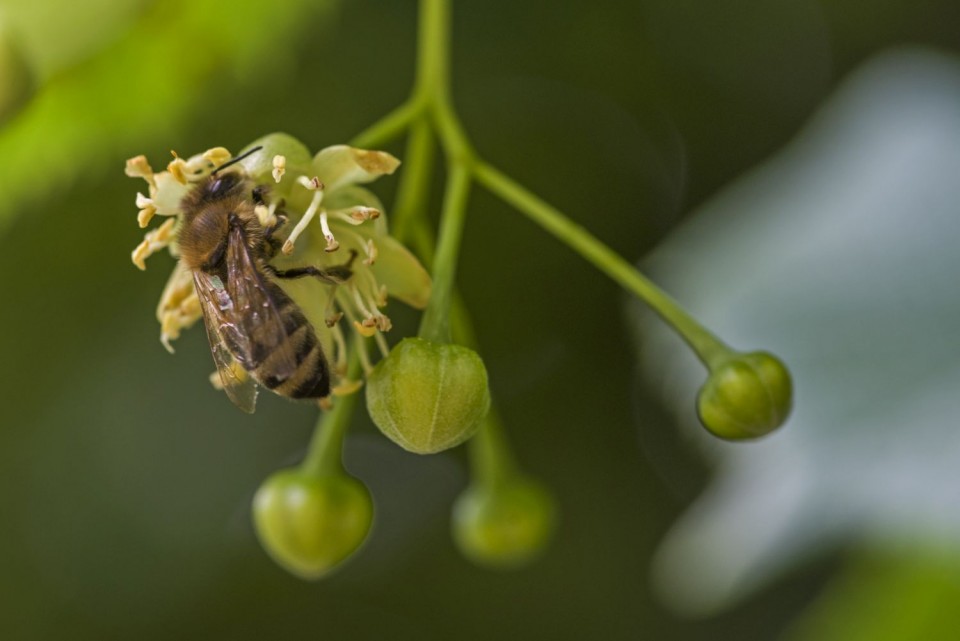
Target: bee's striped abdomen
[{"x": 311, "y": 378}]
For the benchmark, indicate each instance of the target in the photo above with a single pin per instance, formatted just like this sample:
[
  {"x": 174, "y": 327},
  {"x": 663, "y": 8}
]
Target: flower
[{"x": 330, "y": 219}]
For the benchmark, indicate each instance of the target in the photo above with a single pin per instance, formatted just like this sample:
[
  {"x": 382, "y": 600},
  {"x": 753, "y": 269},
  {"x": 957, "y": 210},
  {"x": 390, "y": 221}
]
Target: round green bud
[
  {"x": 428, "y": 397},
  {"x": 310, "y": 525},
  {"x": 17, "y": 82},
  {"x": 746, "y": 396},
  {"x": 504, "y": 525}
]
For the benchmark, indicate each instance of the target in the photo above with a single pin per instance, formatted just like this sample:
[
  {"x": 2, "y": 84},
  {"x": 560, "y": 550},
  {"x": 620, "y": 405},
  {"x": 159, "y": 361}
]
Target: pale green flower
[{"x": 331, "y": 221}]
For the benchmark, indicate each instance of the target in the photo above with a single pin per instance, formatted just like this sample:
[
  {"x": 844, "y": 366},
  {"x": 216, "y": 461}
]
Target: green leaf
[
  {"x": 887, "y": 597},
  {"x": 136, "y": 91}
]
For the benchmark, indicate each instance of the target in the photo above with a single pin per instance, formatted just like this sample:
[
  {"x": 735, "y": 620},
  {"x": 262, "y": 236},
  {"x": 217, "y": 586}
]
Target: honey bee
[{"x": 257, "y": 334}]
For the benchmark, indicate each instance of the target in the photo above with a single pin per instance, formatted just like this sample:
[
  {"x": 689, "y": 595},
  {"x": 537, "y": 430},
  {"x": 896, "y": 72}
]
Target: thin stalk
[
  {"x": 433, "y": 47},
  {"x": 491, "y": 460},
  {"x": 414, "y": 188},
  {"x": 390, "y": 127},
  {"x": 325, "y": 453},
  {"x": 708, "y": 347},
  {"x": 435, "y": 326}
]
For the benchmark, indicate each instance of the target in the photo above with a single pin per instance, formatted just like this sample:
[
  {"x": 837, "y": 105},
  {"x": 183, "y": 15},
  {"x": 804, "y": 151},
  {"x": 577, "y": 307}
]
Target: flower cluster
[{"x": 329, "y": 219}]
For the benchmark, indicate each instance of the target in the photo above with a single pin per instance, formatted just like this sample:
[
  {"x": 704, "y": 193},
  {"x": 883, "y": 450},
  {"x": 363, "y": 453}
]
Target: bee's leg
[
  {"x": 272, "y": 221},
  {"x": 336, "y": 275},
  {"x": 259, "y": 194}
]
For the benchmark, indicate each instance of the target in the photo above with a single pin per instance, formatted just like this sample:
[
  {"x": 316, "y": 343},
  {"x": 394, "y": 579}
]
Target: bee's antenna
[{"x": 237, "y": 159}]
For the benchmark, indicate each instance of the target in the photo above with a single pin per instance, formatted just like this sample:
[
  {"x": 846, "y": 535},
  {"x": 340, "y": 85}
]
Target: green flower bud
[
  {"x": 746, "y": 396},
  {"x": 428, "y": 397},
  {"x": 309, "y": 525},
  {"x": 504, "y": 525}
]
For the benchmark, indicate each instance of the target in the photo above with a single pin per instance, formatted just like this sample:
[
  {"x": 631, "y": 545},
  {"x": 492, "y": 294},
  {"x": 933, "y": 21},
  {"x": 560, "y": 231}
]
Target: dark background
[{"x": 125, "y": 480}]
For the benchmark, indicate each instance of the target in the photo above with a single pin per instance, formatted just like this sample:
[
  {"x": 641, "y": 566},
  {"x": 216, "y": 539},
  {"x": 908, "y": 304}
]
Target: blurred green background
[{"x": 125, "y": 479}]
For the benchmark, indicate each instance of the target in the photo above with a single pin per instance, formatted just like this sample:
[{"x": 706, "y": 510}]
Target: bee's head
[{"x": 219, "y": 185}]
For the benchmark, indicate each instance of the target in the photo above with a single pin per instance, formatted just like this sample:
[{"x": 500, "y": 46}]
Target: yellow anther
[
  {"x": 217, "y": 156},
  {"x": 279, "y": 167},
  {"x": 138, "y": 167},
  {"x": 140, "y": 254},
  {"x": 145, "y": 215},
  {"x": 163, "y": 233},
  {"x": 370, "y": 249},
  {"x": 177, "y": 168},
  {"x": 346, "y": 387},
  {"x": 365, "y": 330},
  {"x": 383, "y": 323}
]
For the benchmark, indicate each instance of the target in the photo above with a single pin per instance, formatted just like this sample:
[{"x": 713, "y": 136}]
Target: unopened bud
[
  {"x": 504, "y": 525},
  {"x": 746, "y": 396},
  {"x": 428, "y": 397},
  {"x": 310, "y": 525}
]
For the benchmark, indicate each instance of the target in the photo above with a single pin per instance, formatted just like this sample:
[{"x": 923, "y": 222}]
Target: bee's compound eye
[{"x": 216, "y": 186}]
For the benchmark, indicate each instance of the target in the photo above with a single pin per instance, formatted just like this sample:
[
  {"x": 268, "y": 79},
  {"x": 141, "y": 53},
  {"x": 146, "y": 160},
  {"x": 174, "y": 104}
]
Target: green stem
[
  {"x": 433, "y": 47},
  {"x": 491, "y": 460},
  {"x": 435, "y": 326},
  {"x": 414, "y": 188},
  {"x": 325, "y": 454},
  {"x": 452, "y": 136},
  {"x": 708, "y": 347},
  {"x": 490, "y": 456},
  {"x": 390, "y": 126}
]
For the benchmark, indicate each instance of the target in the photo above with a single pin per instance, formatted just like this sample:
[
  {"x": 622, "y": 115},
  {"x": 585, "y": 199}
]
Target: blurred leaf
[
  {"x": 56, "y": 34},
  {"x": 840, "y": 256},
  {"x": 886, "y": 597},
  {"x": 16, "y": 78},
  {"x": 136, "y": 90}
]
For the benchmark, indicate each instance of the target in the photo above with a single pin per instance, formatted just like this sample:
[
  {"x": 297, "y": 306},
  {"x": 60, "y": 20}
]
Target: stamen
[
  {"x": 314, "y": 185},
  {"x": 279, "y": 167},
  {"x": 266, "y": 214},
  {"x": 377, "y": 292},
  {"x": 340, "y": 349},
  {"x": 190, "y": 307},
  {"x": 217, "y": 155},
  {"x": 169, "y": 330},
  {"x": 372, "y": 252},
  {"x": 366, "y": 244},
  {"x": 138, "y": 167},
  {"x": 359, "y": 302},
  {"x": 145, "y": 215},
  {"x": 333, "y": 319},
  {"x": 177, "y": 167},
  {"x": 330, "y": 314},
  {"x": 357, "y": 215},
  {"x": 332, "y": 244},
  {"x": 154, "y": 240},
  {"x": 363, "y": 329},
  {"x": 382, "y": 344},
  {"x": 363, "y": 354},
  {"x": 164, "y": 232},
  {"x": 346, "y": 387}
]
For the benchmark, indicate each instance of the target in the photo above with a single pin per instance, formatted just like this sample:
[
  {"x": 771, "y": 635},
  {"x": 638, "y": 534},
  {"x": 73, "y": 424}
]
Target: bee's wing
[
  {"x": 257, "y": 315},
  {"x": 226, "y": 339}
]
